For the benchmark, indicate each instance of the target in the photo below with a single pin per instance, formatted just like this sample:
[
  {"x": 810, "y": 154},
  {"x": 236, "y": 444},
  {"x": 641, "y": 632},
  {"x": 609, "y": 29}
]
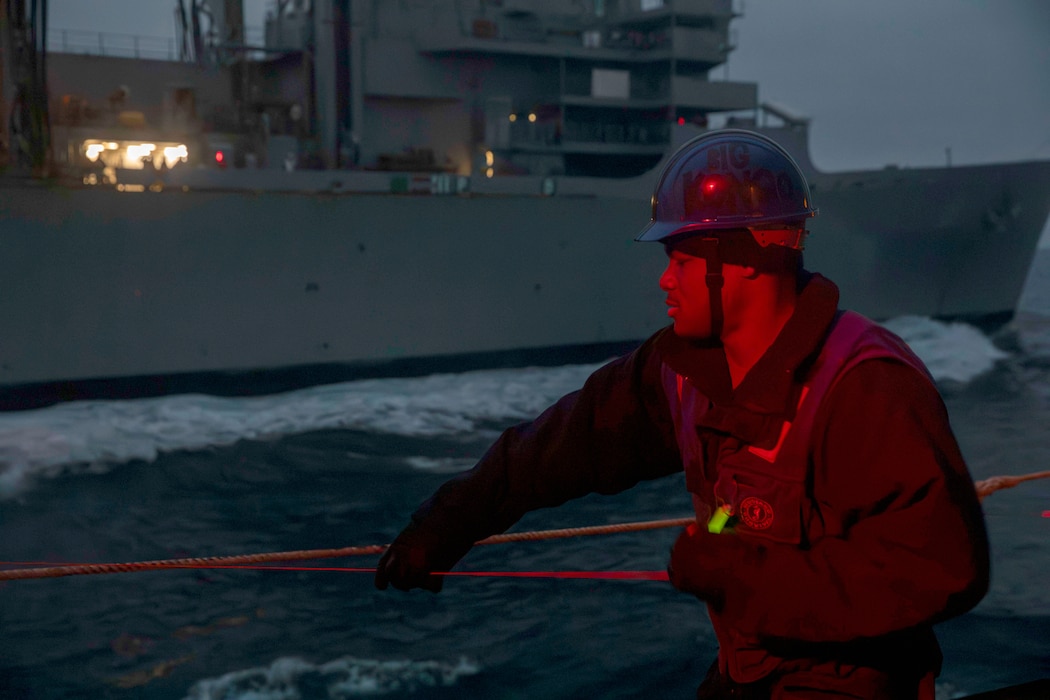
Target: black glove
[
  {"x": 684, "y": 568},
  {"x": 701, "y": 562},
  {"x": 413, "y": 557},
  {"x": 707, "y": 565},
  {"x": 406, "y": 568}
]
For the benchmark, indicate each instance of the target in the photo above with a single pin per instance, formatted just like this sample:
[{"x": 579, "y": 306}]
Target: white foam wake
[
  {"x": 952, "y": 351},
  {"x": 347, "y": 677},
  {"x": 95, "y": 435}
]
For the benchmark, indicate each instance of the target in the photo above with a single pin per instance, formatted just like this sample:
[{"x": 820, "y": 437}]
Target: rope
[
  {"x": 633, "y": 575},
  {"x": 300, "y": 555},
  {"x": 984, "y": 488},
  {"x": 996, "y": 483}
]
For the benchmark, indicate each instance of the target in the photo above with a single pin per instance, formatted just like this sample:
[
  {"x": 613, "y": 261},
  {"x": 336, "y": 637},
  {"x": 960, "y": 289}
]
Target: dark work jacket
[
  {"x": 768, "y": 490},
  {"x": 886, "y": 536}
]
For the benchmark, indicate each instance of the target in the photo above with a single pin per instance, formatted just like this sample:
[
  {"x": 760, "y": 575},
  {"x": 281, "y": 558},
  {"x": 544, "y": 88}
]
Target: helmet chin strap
[
  {"x": 715, "y": 282},
  {"x": 706, "y": 247}
]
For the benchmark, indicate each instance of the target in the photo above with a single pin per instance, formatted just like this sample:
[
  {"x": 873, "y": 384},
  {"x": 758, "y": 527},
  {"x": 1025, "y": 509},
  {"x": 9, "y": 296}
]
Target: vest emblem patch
[{"x": 756, "y": 513}]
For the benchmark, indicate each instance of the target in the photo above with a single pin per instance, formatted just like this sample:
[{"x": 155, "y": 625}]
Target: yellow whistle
[{"x": 719, "y": 519}]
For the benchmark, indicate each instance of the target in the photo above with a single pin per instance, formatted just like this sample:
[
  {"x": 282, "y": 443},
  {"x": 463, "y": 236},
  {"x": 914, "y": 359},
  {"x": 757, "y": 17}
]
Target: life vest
[{"x": 767, "y": 487}]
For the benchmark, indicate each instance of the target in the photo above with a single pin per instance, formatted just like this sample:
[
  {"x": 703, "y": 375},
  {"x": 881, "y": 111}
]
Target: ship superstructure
[{"x": 486, "y": 87}]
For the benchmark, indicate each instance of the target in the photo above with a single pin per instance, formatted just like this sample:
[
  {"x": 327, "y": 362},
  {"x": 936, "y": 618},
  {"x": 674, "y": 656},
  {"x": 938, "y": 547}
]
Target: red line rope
[{"x": 247, "y": 560}]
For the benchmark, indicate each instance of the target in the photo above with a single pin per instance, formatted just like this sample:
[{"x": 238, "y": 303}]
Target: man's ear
[{"x": 750, "y": 272}]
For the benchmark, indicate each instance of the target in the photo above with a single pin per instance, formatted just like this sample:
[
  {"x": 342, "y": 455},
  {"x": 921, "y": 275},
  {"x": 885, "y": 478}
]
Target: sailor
[{"x": 836, "y": 521}]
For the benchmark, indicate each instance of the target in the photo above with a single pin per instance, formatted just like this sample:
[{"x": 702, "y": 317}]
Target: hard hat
[{"x": 731, "y": 179}]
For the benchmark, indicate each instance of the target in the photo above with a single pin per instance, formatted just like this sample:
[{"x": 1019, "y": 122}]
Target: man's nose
[{"x": 667, "y": 280}]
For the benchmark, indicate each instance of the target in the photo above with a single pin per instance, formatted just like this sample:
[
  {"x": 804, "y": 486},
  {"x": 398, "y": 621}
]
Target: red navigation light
[
  {"x": 681, "y": 121},
  {"x": 220, "y": 158}
]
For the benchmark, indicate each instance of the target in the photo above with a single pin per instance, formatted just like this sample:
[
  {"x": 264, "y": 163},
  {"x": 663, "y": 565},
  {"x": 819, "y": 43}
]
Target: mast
[
  {"x": 6, "y": 91},
  {"x": 357, "y": 13},
  {"x": 331, "y": 73},
  {"x": 26, "y": 134}
]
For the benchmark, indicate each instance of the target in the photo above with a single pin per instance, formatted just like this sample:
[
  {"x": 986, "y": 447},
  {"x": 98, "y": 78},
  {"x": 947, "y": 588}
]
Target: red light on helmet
[{"x": 714, "y": 188}]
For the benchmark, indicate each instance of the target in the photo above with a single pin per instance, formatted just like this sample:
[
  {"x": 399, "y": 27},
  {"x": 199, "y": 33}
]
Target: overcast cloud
[{"x": 899, "y": 81}]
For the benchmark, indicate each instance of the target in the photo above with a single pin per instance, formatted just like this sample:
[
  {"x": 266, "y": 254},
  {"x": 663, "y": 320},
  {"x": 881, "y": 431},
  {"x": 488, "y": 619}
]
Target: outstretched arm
[{"x": 604, "y": 438}]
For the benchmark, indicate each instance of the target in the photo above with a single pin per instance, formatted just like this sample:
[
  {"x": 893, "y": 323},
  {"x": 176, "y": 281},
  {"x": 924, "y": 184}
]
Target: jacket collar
[{"x": 768, "y": 395}]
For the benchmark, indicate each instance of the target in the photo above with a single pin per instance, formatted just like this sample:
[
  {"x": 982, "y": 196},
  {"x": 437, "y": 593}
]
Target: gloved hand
[
  {"x": 684, "y": 569},
  {"x": 405, "y": 567},
  {"x": 701, "y": 563},
  {"x": 409, "y": 562}
]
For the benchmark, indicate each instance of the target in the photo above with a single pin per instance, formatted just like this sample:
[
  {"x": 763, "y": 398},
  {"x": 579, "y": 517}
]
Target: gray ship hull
[
  {"x": 283, "y": 241},
  {"x": 104, "y": 285},
  {"x": 949, "y": 243}
]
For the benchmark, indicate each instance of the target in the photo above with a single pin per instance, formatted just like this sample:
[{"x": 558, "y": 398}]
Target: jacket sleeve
[
  {"x": 914, "y": 549},
  {"x": 604, "y": 438}
]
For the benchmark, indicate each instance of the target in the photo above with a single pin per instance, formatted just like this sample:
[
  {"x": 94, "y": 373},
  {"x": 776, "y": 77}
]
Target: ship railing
[
  {"x": 117, "y": 45},
  {"x": 609, "y": 132},
  {"x": 111, "y": 44}
]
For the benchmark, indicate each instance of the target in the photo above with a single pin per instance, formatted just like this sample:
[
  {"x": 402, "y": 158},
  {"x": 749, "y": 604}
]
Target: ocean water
[{"x": 345, "y": 464}]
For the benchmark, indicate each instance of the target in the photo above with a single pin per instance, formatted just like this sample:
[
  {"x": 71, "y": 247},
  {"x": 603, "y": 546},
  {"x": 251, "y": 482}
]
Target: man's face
[{"x": 688, "y": 299}]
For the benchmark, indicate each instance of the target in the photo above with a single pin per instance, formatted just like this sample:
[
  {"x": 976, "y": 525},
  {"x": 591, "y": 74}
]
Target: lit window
[{"x": 175, "y": 154}]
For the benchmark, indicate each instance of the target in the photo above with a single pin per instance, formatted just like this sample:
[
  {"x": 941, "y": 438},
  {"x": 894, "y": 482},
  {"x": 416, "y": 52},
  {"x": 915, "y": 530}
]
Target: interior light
[
  {"x": 140, "y": 151},
  {"x": 489, "y": 159},
  {"x": 175, "y": 154}
]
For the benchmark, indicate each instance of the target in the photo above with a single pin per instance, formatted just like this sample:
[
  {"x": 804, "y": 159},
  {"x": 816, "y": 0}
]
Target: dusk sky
[{"x": 887, "y": 81}]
